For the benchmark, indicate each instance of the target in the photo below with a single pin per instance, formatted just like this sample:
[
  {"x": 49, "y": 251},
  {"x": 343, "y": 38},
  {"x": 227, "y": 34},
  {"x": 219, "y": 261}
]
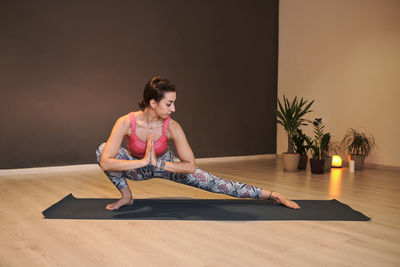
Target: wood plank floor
[{"x": 27, "y": 239}]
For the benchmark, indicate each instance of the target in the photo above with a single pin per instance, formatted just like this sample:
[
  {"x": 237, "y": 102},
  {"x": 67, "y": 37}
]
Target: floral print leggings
[{"x": 200, "y": 179}]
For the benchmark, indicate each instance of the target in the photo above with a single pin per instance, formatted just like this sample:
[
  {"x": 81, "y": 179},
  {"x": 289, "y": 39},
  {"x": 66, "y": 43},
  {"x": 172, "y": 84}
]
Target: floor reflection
[{"x": 335, "y": 182}]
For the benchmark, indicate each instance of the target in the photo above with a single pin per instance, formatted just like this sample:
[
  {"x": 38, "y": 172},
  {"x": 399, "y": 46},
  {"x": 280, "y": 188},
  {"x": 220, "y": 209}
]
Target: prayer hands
[
  {"x": 153, "y": 157},
  {"x": 150, "y": 156},
  {"x": 149, "y": 150}
]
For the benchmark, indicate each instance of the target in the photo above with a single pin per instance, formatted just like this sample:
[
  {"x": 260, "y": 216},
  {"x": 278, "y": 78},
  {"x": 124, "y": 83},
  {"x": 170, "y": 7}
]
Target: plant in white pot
[
  {"x": 358, "y": 145},
  {"x": 291, "y": 117}
]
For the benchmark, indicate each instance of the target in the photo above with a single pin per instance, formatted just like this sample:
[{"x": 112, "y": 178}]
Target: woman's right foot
[
  {"x": 282, "y": 200},
  {"x": 118, "y": 204}
]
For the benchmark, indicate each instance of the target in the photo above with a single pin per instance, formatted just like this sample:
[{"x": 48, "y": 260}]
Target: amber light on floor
[
  {"x": 335, "y": 183},
  {"x": 336, "y": 161}
]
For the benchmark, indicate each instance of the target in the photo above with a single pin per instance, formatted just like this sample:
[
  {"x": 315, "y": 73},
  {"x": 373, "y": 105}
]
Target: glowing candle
[{"x": 336, "y": 161}]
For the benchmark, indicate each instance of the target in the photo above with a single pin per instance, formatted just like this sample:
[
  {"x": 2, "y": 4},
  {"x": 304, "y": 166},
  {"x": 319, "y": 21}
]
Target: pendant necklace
[{"x": 150, "y": 128}]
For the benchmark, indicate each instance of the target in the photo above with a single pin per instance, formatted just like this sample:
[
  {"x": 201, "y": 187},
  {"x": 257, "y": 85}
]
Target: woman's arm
[
  {"x": 108, "y": 161},
  {"x": 187, "y": 164}
]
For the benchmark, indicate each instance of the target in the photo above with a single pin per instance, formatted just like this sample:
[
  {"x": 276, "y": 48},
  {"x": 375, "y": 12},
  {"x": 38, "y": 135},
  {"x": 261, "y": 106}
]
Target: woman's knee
[{"x": 99, "y": 151}]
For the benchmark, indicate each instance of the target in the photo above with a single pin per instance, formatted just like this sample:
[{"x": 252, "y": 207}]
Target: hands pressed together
[{"x": 150, "y": 156}]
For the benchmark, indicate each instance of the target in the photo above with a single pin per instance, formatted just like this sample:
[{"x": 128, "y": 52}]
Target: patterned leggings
[{"x": 200, "y": 179}]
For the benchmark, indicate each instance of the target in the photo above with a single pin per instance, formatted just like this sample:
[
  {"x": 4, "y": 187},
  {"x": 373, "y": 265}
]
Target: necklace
[{"x": 150, "y": 127}]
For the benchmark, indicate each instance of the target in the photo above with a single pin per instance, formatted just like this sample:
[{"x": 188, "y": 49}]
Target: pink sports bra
[{"x": 137, "y": 146}]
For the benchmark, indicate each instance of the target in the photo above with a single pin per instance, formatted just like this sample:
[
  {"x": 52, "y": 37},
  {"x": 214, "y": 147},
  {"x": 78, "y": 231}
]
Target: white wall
[{"x": 344, "y": 54}]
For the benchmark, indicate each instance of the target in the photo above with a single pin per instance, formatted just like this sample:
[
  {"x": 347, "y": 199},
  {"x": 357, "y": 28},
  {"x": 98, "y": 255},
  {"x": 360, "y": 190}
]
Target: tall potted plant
[
  {"x": 317, "y": 161},
  {"x": 291, "y": 117},
  {"x": 302, "y": 143},
  {"x": 358, "y": 145}
]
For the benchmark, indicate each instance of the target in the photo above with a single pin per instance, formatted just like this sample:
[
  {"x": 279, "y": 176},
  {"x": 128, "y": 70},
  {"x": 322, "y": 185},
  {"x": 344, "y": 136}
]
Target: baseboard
[
  {"x": 84, "y": 167},
  {"x": 39, "y": 170},
  {"x": 236, "y": 158},
  {"x": 382, "y": 167}
]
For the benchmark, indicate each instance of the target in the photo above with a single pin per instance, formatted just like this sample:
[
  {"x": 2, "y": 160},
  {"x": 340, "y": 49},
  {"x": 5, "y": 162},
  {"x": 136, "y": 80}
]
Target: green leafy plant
[
  {"x": 290, "y": 116},
  {"x": 302, "y": 142},
  {"x": 318, "y": 136},
  {"x": 358, "y": 143},
  {"x": 325, "y": 144}
]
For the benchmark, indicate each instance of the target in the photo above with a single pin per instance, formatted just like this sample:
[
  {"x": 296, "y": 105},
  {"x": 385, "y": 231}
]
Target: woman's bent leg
[{"x": 118, "y": 178}]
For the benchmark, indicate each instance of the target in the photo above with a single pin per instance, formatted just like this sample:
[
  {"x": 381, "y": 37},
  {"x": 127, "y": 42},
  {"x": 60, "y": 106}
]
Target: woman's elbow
[{"x": 103, "y": 165}]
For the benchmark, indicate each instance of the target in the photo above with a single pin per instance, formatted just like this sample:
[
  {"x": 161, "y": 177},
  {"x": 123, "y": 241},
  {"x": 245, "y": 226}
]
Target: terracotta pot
[
  {"x": 290, "y": 161},
  {"x": 317, "y": 165},
  {"x": 303, "y": 162}
]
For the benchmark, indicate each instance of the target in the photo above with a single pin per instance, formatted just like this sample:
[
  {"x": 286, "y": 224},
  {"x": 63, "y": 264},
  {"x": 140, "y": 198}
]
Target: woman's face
[{"x": 166, "y": 106}]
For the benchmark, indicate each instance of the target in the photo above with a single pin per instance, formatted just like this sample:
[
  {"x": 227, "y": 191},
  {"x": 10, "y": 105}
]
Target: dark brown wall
[{"x": 69, "y": 69}]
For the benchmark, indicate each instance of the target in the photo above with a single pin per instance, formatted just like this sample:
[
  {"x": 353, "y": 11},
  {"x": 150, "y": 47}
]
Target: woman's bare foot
[
  {"x": 118, "y": 204},
  {"x": 281, "y": 199}
]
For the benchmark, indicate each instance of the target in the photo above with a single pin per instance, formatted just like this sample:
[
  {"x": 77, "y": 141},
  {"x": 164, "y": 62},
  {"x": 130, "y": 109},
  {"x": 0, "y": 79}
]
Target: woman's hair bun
[
  {"x": 155, "y": 89},
  {"x": 142, "y": 105},
  {"x": 156, "y": 80}
]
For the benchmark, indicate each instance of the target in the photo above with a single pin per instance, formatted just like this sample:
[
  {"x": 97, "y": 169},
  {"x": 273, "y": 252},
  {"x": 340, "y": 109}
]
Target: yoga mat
[{"x": 201, "y": 209}]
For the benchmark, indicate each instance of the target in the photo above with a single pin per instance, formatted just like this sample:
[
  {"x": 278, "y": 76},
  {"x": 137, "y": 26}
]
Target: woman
[{"x": 147, "y": 132}]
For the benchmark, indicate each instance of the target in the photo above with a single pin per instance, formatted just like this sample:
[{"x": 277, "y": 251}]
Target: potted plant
[
  {"x": 317, "y": 161},
  {"x": 302, "y": 143},
  {"x": 358, "y": 145},
  {"x": 291, "y": 117},
  {"x": 325, "y": 148}
]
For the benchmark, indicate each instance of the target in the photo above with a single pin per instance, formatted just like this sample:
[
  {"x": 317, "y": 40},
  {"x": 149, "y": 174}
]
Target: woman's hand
[
  {"x": 149, "y": 150},
  {"x": 153, "y": 157}
]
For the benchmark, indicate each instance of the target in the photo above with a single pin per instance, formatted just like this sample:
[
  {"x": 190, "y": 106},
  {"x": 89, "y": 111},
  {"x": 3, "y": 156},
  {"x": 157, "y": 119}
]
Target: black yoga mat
[{"x": 201, "y": 209}]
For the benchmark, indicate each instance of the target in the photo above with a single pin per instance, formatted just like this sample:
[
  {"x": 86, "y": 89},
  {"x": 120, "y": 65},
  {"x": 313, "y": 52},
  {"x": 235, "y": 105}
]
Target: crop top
[{"x": 137, "y": 146}]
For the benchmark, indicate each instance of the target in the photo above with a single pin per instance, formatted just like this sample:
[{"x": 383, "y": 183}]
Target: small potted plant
[
  {"x": 291, "y": 117},
  {"x": 317, "y": 161},
  {"x": 302, "y": 143},
  {"x": 358, "y": 145},
  {"x": 325, "y": 148}
]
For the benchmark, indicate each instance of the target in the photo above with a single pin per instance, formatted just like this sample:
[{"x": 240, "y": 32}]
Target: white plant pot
[{"x": 290, "y": 161}]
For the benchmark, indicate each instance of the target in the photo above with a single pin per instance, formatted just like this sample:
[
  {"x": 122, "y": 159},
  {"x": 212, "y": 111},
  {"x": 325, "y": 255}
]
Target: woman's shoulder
[
  {"x": 173, "y": 124},
  {"x": 124, "y": 122},
  {"x": 174, "y": 128},
  {"x": 125, "y": 119},
  {"x": 128, "y": 117}
]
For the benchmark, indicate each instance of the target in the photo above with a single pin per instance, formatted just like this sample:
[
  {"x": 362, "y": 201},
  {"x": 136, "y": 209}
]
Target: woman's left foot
[{"x": 282, "y": 200}]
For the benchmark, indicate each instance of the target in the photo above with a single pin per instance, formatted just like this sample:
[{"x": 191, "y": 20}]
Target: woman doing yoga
[{"x": 147, "y": 132}]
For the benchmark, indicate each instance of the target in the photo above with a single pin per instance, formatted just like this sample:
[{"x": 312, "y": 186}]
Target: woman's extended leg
[
  {"x": 207, "y": 181},
  {"x": 118, "y": 178}
]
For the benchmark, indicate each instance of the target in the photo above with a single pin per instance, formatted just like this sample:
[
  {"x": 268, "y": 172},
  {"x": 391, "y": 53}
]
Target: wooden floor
[{"x": 27, "y": 239}]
